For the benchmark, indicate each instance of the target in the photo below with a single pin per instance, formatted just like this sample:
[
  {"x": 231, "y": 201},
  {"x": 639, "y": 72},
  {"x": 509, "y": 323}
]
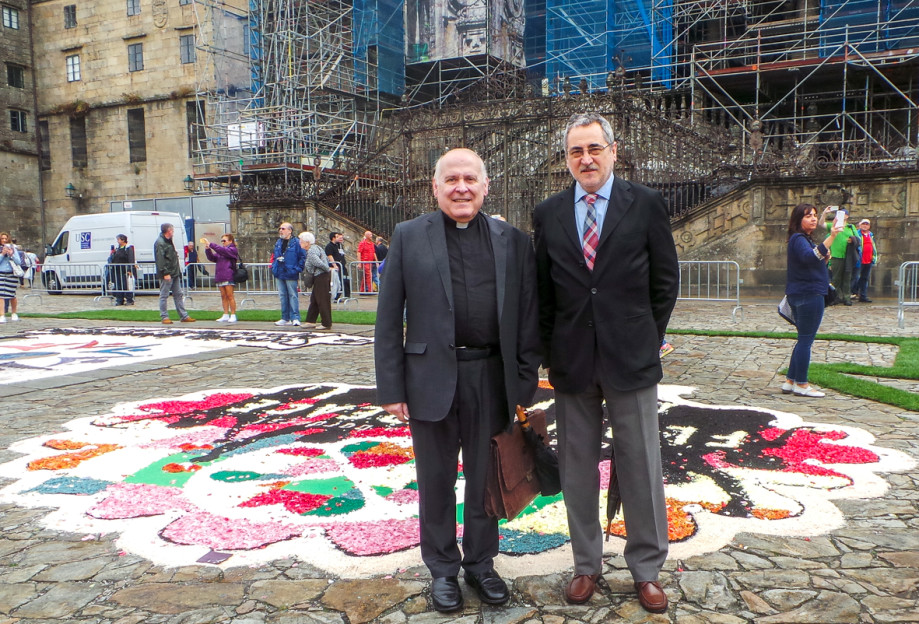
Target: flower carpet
[
  {"x": 240, "y": 476},
  {"x": 71, "y": 350}
]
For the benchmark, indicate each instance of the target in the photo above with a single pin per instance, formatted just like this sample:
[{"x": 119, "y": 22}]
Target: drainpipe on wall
[{"x": 38, "y": 146}]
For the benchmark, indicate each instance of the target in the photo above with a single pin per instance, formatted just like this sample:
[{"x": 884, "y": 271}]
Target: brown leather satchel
[{"x": 513, "y": 482}]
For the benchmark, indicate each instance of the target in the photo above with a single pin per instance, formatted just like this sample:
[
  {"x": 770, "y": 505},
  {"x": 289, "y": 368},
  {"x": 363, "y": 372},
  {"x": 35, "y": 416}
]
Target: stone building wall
[
  {"x": 19, "y": 191},
  {"x": 105, "y": 93},
  {"x": 749, "y": 225}
]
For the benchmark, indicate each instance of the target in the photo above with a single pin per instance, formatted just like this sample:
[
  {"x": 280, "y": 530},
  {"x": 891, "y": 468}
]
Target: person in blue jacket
[{"x": 289, "y": 259}]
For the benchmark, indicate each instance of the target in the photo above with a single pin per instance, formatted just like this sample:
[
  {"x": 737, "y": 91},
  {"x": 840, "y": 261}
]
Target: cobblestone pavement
[{"x": 865, "y": 571}]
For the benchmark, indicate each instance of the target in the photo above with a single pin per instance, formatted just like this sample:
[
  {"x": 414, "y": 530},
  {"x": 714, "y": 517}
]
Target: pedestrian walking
[
  {"x": 288, "y": 262},
  {"x": 317, "y": 266},
  {"x": 169, "y": 272}
]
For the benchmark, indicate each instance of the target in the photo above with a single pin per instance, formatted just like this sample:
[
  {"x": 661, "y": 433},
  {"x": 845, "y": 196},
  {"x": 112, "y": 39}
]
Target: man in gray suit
[
  {"x": 469, "y": 356},
  {"x": 608, "y": 280}
]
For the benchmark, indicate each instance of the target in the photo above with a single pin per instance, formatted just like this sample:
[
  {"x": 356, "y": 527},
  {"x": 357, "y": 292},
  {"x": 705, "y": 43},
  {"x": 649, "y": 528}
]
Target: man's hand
[
  {"x": 399, "y": 410},
  {"x": 167, "y": 278}
]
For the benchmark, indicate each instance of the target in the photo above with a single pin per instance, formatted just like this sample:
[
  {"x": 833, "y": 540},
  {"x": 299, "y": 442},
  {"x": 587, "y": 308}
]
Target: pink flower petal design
[
  {"x": 363, "y": 538},
  {"x": 135, "y": 500},
  {"x": 219, "y": 533},
  {"x": 312, "y": 466}
]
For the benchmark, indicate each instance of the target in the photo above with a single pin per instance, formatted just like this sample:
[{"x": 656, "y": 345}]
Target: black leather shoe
[
  {"x": 490, "y": 587},
  {"x": 864, "y": 300},
  {"x": 446, "y": 594}
]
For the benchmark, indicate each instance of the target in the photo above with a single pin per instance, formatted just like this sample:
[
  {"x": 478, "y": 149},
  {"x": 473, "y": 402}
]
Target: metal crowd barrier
[
  {"x": 711, "y": 280},
  {"x": 907, "y": 290},
  {"x": 363, "y": 272}
]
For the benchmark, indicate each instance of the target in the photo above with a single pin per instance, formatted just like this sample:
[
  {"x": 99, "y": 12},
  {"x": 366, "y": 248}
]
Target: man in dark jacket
[
  {"x": 469, "y": 355},
  {"x": 169, "y": 272},
  {"x": 122, "y": 271},
  {"x": 289, "y": 259},
  {"x": 608, "y": 280}
]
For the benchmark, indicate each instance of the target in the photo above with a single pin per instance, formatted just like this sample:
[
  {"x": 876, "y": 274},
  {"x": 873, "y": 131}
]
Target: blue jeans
[
  {"x": 290, "y": 304},
  {"x": 861, "y": 285},
  {"x": 808, "y": 311}
]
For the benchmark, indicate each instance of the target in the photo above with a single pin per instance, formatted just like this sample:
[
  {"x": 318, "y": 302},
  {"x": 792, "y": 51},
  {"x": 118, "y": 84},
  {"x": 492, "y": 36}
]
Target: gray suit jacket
[{"x": 421, "y": 369}]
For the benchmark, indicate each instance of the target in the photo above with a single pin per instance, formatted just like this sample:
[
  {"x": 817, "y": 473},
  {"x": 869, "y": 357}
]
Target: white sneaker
[
  {"x": 3, "y": 318},
  {"x": 295, "y": 322},
  {"x": 224, "y": 318},
  {"x": 787, "y": 388},
  {"x": 281, "y": 323},
  {"x": 309, "y": 326},
  {"x": 807, "y": 391},
  {"x": 15, "y": 316},
  {"x": 232, "y": 319}
]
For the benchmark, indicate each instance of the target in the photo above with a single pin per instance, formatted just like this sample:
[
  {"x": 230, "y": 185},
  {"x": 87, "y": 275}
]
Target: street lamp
[
  {"x": 71, "y": 190},
  {"x": 189, "y": 183}
]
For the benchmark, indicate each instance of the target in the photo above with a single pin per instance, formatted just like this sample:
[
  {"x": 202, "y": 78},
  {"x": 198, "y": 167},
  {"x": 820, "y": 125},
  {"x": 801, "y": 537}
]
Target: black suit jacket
[
  {"x": 616, "y": 315},
  {"x": 421, "y": 370}
]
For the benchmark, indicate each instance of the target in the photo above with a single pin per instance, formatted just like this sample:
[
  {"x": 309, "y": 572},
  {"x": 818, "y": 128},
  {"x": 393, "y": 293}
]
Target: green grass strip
[
  {"x": 835, "y": 376},
  {"x": 352, "y": 317},
  {"x": 839, "y": 376}
]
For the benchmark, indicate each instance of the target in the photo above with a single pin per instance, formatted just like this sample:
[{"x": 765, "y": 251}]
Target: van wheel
[{"x": 52, "y": 283}]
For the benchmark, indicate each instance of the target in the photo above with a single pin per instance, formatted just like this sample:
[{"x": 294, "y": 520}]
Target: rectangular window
[
  {"x": 44, "y": 138},
  {"x": 135, "y": 57},
  {"x": 15, "y": 76},
  {"x": 187, "y": 48},
  {"x": 10, "y": 17},
  {"x": 184, "y": 2},
  {"x": 70, "y": 16},
  {"x": 73, "y": 68},
  {"x": 194, "y": 120},
  {"x": 133, "y": 7},
  {"x": 18, "y": 121},
  {"x": 137, "y": 135},
  {"x": 78, "y": 141}
]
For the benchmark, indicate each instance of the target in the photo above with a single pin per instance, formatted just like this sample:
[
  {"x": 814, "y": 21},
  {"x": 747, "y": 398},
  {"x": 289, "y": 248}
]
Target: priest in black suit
[
  {"x": 469, "y": 355},
  {"x": 608, "y": 280}
]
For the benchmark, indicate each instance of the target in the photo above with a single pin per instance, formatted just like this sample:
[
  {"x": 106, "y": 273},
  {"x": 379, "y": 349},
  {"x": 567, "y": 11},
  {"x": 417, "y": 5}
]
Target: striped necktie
[{"x": 591, "y": 233}]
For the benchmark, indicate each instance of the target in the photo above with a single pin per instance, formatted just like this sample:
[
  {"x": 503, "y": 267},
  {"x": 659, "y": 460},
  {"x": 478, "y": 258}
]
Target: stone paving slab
[{"x": 867, "y": 571}]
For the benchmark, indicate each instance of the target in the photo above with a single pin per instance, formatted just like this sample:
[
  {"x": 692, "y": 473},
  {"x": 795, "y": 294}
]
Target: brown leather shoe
[
  {"x": 581, "y": 588},
  {"x": 167, "y": 322},
  {"x": 651, "y": 596},
  {"x": 188, "y": 319}
]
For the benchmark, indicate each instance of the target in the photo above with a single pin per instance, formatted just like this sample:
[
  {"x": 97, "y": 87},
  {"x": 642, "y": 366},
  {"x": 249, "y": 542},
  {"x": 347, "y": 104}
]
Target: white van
[{"x": 76, "y": 258}]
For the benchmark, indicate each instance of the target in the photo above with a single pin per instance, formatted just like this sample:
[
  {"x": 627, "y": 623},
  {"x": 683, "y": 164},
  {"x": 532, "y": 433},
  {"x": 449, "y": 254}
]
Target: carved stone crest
[{"x": 160, "y": 13}]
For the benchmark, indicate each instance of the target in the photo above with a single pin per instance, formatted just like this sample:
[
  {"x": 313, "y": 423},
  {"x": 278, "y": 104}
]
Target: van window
[{"x": 60, "y": 245}]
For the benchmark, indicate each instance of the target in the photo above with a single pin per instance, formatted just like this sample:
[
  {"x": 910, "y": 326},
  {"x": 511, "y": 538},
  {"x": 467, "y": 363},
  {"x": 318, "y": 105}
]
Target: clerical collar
[{"x": 459, "y": 226}]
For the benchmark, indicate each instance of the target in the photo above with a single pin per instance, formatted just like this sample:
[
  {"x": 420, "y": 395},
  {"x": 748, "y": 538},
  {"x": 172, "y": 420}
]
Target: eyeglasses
[
  {"x": 224, "y": 240},
  {"x": 594, "y": 150}
]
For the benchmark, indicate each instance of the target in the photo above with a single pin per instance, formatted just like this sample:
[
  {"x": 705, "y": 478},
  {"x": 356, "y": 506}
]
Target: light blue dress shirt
[{"x": 580, "y": 206}]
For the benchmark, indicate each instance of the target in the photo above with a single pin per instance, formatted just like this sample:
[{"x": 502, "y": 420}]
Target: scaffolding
[
  {"x": 761, "y": 87},
  {"x": 829, "y": 84},
  {"x": 310, "y": 106}
]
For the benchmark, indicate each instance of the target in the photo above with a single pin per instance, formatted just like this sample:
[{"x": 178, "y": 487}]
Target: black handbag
[
  {"x": 831, "y": 297},
  {"x": 240, "y": 272}
]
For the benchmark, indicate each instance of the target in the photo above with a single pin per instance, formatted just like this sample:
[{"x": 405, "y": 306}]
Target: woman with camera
[
  {"x": 806, "y": 288},
  {"x": 9, "y": 280},
  {"x": 225, "y": 257}
]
